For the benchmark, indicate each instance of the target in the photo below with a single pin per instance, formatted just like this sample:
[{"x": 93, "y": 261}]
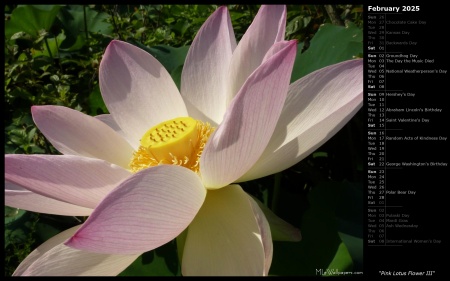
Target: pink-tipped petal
[
  {"x": 225, "y": 238},
  {"x": 19, "y": 197},
  {"x": 146, "y": 211},
  {"x": 137, "y": 89},
  {"x": 53, "y": 258},
  {"x": 277, "y": 47},
  {"x": 267, "y": 28},
  {"x": 204, "y": 79},
  {"x": 249, "y": 122},
  {"x": 75, "y": 133},
  {"x": 279, "y": 228},
  {"x": 318, "y": 106},
  {"x": 76, "y": 180}
]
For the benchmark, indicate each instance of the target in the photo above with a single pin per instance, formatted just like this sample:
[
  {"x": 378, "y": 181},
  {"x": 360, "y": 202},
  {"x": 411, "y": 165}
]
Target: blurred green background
[{"x": 52, "y": 56}]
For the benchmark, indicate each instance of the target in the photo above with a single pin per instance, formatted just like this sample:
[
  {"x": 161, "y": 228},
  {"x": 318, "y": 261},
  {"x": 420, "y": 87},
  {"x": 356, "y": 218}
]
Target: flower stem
[
  {"x": 181, "y": 239},
  {"x": 276, "y": 191}
]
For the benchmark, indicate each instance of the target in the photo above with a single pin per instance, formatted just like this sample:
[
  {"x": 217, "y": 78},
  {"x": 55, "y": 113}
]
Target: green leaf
[
  {"x": 18, "y": 225},
  {"x": 349, "y": 214},
  {"x": 321, "y": 247},
  {"x": 354, "y": 246},
  {"x": 176, "y": 76},
  {"x": 162, "y": 261},
  {"x": 76, "y": 45},
  {"x": 340, "y": 263},
  {"x": 20, "y": 35},
  {"x": 36, "y": 149},
  {"x": 51, "y": 225},
  {"x": 53, "y": 45},
  {"x": 96, "y": 104},
  {"x": 31, "y": 19},
  {"x": 331, "y": 44},
  {"x": 234, "y": 15},
  {"x": 12, "y": 214},
  {"x": 31, "y": 134},
  {"x": 168, "y": 56},
  {"x": 295, "y": 24},
  {"x": 74, "y": 17},
  {"x": 10, "y": 149},
  {"x": 181, "y": 27}
]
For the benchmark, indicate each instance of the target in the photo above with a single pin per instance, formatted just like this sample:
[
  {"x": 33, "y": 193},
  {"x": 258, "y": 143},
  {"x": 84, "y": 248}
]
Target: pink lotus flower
[{"x": 162, "y": 162}]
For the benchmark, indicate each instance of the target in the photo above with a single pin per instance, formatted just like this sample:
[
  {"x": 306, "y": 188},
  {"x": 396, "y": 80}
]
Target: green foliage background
[{"x": 52, "y": 56}]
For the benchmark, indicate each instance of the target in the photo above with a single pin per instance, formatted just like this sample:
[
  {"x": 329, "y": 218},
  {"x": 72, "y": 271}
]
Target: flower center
[{"x": 179, "y": 141}]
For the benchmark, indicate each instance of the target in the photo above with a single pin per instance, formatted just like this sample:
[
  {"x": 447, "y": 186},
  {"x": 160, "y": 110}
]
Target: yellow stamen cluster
[{"x": 179, "y": 141}]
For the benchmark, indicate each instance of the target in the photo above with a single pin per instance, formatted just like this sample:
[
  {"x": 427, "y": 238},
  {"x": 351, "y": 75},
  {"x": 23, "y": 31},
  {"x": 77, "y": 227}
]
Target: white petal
[
  {"x": 76, "y": 180},
  {"x": 53, "y": 258},
  {"x": 137, "y": 89},
  {"x": 19, "y": 197},
  {"x": 204, "y": 79},
  {"x": 279, "y": 228},
  {"x": 249, "y": 122},
  {"x": 225, "y": 237},
  {"x": 147, "y": 210},
  {"x": 266, "y": 234},
  {"x": 75, "y": 133},
  {"x": 267, "y": 28},
  {"x": 317, "y": 107}
]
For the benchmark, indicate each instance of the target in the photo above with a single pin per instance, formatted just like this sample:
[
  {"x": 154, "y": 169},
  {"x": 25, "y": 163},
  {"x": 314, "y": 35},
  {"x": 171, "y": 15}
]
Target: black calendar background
[{"x": 428, "y": 207}]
